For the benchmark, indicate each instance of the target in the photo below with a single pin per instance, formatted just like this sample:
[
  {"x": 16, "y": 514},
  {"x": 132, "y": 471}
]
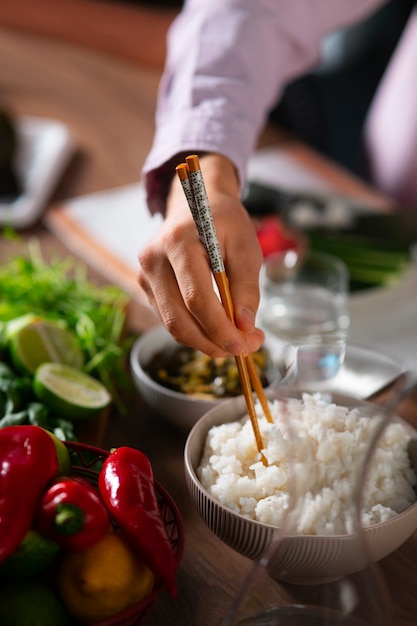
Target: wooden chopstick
[
  {"x": 196, "y": 194},
  {"x": 193, "y": 185},
  {"x": 201, "y": 211}
]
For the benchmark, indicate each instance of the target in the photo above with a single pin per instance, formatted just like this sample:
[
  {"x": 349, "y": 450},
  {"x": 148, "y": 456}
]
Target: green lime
[
  {"x": 31, "y": 603},
  {"x": 34, "y": 554},
  {"x": 62, "y": 452},
  {"x": 70, "y": 393},
  {"x": 43, "y": 341},
  {"x": 13, "y": 326}
]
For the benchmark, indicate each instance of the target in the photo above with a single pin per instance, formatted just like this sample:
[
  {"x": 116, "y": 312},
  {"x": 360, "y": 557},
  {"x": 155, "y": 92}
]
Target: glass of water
[{"x": 304, "y": 304}]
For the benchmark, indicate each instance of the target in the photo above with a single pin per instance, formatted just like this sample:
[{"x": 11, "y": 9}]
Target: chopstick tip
[
  {"x": 182, "y": 171},
  {"x": 193, "y": 162}
]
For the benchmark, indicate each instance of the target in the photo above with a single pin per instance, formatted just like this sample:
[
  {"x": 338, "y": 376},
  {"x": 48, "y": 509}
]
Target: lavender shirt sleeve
[{"x": 227, "y": 63}]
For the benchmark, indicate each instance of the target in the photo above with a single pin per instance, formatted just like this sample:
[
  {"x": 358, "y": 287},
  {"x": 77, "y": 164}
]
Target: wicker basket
[{"x": 86, "y": 461}]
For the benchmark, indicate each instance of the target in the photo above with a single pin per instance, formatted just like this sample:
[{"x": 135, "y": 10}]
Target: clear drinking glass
[
  {"x": 339, "y": 585},
  {"x": 304, "y": 304}
]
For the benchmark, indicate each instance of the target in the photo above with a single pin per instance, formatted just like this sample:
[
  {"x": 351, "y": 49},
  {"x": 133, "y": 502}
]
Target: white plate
[
  {"x": 45, "y": 147},
  {"x": 364, "y": 373}
]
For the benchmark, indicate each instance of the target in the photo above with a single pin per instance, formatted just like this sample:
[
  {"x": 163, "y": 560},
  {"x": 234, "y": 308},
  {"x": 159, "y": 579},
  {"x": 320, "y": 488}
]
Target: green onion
[{"x": 369, "y": 262}]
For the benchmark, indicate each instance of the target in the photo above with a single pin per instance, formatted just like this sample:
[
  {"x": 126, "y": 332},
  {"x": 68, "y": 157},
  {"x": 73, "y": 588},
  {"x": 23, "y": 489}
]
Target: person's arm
[{"x": 227, "y": 62}]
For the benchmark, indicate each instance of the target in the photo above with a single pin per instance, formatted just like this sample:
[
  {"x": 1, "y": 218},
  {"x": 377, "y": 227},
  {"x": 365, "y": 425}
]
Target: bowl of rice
[{"x": 313, "y": 500}]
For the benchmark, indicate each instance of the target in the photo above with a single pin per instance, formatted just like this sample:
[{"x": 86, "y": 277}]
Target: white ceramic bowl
[
  {"x": 179, "y": 408},
  {"x": 301, "y": 559}
]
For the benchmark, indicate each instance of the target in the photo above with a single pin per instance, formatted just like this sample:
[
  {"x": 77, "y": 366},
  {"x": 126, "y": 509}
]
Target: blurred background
[{"x": 325, "y": 108}]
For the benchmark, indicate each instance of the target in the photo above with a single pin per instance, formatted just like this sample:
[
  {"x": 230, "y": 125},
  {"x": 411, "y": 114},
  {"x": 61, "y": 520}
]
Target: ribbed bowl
[{"x": 301, "y": 559}]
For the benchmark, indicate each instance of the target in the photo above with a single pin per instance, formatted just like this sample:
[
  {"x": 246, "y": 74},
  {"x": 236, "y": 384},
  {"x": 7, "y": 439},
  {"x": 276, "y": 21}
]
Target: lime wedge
[
  {"x": 68, "y": 392},
  {"x": 41, "y": 341}
]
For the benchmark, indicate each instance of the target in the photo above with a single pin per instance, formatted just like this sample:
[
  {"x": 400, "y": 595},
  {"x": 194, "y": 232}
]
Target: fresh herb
[
  {"x": 61, "y": 290},
  {"x": 19, "y": 405}
]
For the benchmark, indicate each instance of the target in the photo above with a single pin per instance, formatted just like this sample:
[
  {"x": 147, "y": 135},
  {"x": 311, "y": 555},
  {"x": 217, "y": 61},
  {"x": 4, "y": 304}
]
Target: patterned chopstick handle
[
  {"x": 183, "y": 175},
  {"x": 205, "y": 216}
]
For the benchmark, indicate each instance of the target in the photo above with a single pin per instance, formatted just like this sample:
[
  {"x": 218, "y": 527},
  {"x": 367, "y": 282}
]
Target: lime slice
[
  {"x": 42, "y": 341},
  {"x": 68, "y": 392},
  {"x": 13, "y": 326}
]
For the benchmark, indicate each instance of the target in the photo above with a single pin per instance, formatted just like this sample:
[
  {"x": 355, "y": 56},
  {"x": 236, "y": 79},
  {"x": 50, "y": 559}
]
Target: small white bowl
[
  {"x": 179, "y": 408},
  {"x": 301, "y": 559}
]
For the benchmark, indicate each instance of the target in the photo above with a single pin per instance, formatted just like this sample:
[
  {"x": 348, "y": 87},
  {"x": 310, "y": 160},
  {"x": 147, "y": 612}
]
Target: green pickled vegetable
[{"x": 194, "y": 373}]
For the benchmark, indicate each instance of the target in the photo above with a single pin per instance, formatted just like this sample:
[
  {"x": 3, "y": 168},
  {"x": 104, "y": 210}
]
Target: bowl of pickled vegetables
[{"x": 181, "y": 383}]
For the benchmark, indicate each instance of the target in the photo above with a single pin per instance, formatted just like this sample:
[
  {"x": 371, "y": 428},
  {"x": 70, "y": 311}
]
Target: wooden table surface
[{"x": 109, "y": 107}]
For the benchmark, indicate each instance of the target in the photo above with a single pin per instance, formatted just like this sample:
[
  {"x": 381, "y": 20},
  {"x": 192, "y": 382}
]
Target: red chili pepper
[
  {"x": 28, "y": 461},
  {"x": 127, "y": 487},
  {"x": 72, "y": 513}
]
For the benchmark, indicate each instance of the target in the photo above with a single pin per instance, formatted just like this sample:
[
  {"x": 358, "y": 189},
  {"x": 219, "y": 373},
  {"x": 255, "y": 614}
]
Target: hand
[{"x": 175, "y": 272}]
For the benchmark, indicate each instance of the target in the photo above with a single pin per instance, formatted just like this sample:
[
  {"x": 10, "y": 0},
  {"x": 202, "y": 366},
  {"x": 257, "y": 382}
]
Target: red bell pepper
[
  {"x": 28, "y": 461},
  {"x": 274, "y": 237},
  {"x": 72, "y": 513},
  {"x": 126, "y": 485}
]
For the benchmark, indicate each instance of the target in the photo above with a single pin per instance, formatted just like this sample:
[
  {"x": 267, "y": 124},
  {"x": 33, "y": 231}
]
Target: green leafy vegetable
[
  {"x": 18, "y": 405},
  {"x": 61, "y": 290}
]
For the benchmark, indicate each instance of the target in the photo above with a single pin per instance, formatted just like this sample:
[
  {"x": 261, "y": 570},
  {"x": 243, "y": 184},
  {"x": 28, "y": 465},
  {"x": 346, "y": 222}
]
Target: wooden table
[{"x": 109, "y": 107}]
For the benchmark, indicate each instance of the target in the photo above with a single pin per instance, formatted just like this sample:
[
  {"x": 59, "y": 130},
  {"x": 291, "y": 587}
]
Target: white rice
[{"x": 327, "y": 449}]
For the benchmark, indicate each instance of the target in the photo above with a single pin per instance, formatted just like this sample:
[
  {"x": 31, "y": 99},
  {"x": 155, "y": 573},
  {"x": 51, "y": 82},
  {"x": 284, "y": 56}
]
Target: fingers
[
  {"x": 176, "y": 277},
  {"x": 243, "y": 259},
  {"x": 175, "y": 273}
]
